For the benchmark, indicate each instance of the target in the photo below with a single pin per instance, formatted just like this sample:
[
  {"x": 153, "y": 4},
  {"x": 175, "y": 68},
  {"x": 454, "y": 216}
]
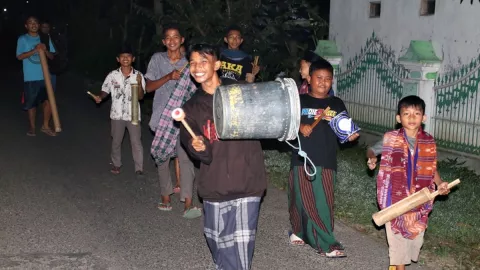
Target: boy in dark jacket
[{"x": 232, "y": 176}]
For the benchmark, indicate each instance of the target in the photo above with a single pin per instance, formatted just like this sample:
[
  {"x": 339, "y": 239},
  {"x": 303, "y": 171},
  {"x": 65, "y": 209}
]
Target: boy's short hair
[
  {"x": 125, "y": 48},
  {"x": 204, "y": 49},
  {"x": 320, "y": 64},
  {"x": 411, "y": 101},
  {"x": 233, "y": 28},
  {"x": 311, "y": 57},
  {"x": 31, "y": 17},
  {"x": 171, "y": 26}
]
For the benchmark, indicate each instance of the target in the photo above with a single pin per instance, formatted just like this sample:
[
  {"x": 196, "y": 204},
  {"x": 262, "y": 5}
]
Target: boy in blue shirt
[{"x": 34, "y": 93}]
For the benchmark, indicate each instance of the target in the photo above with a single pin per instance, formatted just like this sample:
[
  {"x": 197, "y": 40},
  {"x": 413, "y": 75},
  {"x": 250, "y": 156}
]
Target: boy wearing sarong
[
  {"x": 311, "y": 199},
  {"x": 408, "y": 164},
  {"x": 232, "y": 178}
]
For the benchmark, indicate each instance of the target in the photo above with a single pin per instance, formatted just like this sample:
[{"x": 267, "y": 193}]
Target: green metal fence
[
  {"x": 457, "y": 116},
  {"x": 371, "y": 85}
]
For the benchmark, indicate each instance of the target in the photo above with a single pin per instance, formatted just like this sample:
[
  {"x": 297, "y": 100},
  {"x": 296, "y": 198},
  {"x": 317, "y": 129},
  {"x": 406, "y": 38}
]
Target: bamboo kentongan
[{"x": 50, "y": 93}]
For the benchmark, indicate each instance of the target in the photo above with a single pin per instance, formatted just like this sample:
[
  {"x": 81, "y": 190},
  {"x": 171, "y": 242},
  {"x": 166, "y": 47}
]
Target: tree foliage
[{"x": 277, "y": 31}]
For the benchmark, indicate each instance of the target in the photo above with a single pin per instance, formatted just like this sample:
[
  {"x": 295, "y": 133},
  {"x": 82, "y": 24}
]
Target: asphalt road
[{"x": 60, "y": 207}]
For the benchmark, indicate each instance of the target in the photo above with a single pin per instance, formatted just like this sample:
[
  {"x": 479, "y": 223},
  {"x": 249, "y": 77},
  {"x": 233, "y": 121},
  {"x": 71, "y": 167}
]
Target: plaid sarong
[
  {"x": 166, "y": 134},
  {"x": 230, "y": 228}
]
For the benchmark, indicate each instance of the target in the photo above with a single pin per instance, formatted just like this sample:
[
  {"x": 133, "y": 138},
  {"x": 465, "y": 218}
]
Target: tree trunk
[
  {"x": 158, "y": 10},
  {"x": 139, "y": 49}
]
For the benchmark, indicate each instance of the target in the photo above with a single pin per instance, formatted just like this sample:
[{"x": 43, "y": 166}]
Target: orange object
[{"x": 50, "y": 93}]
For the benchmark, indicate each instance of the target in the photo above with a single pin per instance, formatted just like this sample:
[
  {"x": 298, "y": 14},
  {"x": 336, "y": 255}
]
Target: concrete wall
[{"x": 454, "y": 29}]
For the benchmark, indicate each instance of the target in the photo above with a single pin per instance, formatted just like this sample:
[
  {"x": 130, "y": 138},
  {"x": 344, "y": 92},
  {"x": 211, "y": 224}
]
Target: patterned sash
[{"x": 403, "y": 173}]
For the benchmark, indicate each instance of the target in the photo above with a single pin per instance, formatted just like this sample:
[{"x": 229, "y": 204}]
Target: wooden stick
[
  {"x": 401, "y": 207},
  {"x": 320, "y": 117},
  {"x": 255, "y": 61},
  {"x": 92, "y": 95},
  {"x": 179, "y": 115},
  {"x": 50, "y": 93},
  {"x": 183, "y": 67}
]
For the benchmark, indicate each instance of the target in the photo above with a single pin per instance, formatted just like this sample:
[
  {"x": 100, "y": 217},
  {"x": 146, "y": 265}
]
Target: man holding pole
[{"x": 29, "y": 48}]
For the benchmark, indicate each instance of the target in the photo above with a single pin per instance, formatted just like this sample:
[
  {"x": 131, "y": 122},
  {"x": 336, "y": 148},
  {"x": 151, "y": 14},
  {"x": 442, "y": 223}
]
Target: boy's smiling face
[
  {"x": 411, "y": 118},
  {"x": 203, "y": 66},
  {"x": 125, "y": 59},
  {"x": 233, "y": 39},
  {"x": 173, "y": 40},
  {"x": 32, "y": 25},
  {"x": 320, "y": 82}
]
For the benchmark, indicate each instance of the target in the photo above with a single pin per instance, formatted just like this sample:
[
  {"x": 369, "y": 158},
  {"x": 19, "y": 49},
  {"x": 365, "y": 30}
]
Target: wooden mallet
[
  {"x": 401, "y": 207},
  {"x": 179, "y": 115}
]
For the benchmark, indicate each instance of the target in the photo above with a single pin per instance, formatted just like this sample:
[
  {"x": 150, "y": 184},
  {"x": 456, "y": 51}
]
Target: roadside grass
[{"x": 453, "y": 236}]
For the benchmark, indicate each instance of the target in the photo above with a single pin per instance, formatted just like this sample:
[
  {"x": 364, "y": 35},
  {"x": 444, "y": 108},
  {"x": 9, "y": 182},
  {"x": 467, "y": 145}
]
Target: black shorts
[{"x": 34, "y": 94}]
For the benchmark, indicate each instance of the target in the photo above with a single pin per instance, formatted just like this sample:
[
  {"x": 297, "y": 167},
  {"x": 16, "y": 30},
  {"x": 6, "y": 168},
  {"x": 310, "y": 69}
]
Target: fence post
[
  {"x": 423, "y": 64},
  {"x": 328, "y": 50}
]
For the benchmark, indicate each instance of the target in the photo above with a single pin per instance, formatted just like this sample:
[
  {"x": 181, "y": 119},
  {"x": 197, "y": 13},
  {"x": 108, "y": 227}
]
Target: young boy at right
[{"x": 408, "y": 164}]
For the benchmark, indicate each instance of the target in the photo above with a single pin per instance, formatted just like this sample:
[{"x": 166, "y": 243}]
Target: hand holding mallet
[{"x": 179, "y": 115}]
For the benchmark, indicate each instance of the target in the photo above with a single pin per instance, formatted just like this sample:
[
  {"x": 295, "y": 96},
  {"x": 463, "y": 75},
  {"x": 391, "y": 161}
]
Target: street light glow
[{"x": 5, "y": 10}]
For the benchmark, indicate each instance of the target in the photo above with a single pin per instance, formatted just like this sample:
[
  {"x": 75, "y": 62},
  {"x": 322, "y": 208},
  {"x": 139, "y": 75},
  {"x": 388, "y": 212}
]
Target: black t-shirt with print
[
  {"x": 235, "y": 69},
  {"x": 321, "y": 145}
]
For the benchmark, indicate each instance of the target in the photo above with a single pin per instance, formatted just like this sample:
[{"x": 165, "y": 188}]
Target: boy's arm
[
  {"x": 186, "y": 139},
  {"x": 153, "y": 83},
  {"x": 249, "y": 74},
  {"x": 22, "y": 52},
  {"x": 50, "y": 54},
  {"x": 442, "y": 186},
  {"x": 106, "y": 86},
  {"x": 375, "y": 150}
]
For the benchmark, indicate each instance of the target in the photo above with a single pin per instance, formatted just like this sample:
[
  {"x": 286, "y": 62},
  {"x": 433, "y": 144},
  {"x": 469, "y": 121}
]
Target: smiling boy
[
  {"x": 163, "y": 73},
  {"x": 232, "y": 178},
  {"x": 236, "y": 64},
  {"x": 118, "y": 85}
]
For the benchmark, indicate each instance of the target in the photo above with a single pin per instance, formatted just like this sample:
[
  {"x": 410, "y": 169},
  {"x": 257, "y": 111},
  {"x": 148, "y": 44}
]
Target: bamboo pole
[{"x": 50, "y": 93}]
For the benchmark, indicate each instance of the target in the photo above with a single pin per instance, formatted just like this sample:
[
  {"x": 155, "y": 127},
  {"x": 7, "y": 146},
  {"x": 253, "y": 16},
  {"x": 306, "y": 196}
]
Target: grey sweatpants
[
  {"x": 187, "y": 175},
  {"x": 135, "y": 134}
]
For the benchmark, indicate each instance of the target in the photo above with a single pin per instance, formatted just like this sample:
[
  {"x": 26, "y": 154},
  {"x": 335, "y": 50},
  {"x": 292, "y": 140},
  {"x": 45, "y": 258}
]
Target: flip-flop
[
  {"x": 192, "y": 213},
  {"x": 48, "y": 131},
  {"x": 295, "y": 240},
  {"x": 336, "y": 254},
  {"x": 164, "y": 207},
  {"x": 115, "y": 170},
  {"x": 31, "y": 134}
]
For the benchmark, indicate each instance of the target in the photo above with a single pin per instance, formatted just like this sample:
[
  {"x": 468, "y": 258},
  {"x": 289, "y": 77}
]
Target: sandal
[
  {"x": 31, "y": 133},
  {"x": 115, "y": 170},
  {"x": 335, "y": 254},
  {"x": 192, "y": 213},
  {"x": 48, "y": 131},
  {"x": 164, "y": 207},
  {"x": 295, "y": 240}
]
